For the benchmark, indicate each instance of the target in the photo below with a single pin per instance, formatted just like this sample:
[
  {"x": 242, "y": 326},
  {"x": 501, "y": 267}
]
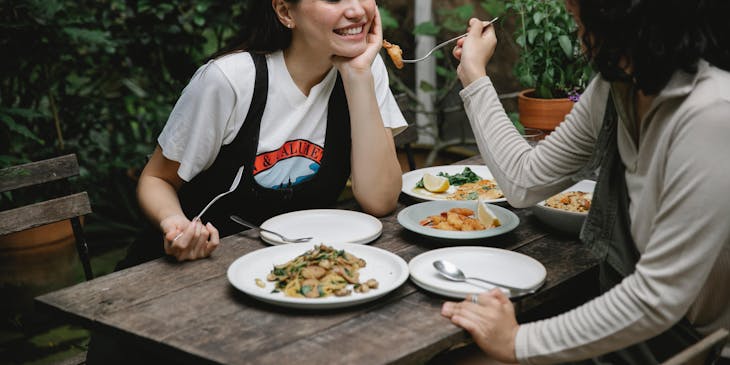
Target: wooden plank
[
  {"x": 410, "y": 330},
  {"x": 697, "y": 353},
  {"x": 103, "y": 296},
  {"x": 34, "y": 215},
  {"x": 38, "y": 172}
]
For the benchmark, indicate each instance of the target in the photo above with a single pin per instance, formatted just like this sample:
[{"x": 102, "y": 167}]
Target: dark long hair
[
  {"x": 658, "y": 37},
  {"x": 261, "y": 31}
]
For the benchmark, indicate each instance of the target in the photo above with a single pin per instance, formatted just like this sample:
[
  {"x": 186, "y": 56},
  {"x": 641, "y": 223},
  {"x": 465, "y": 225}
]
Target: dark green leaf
[{"x": 566, "y": 45}]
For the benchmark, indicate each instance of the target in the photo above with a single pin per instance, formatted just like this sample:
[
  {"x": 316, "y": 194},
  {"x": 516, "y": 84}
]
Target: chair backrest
[
  {"x": 69, "y": 207},
  {"x": 698, "y": 352}
]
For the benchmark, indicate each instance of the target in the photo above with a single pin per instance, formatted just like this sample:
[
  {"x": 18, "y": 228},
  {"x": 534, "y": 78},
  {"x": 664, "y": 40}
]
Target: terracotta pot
[
  {"x": 36, "y": 261},
  {"x": 543, "y": 114}
]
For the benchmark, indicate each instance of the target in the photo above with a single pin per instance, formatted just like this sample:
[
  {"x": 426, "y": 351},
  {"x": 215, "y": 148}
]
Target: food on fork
[
  {"x": 320, "y": 272},
  {"x": 395, "y": 53}
]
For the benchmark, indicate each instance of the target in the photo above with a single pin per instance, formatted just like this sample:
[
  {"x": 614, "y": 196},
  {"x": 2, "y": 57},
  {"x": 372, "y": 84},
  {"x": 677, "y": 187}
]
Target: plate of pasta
[
  {"x": 463, "y": 182},
  {"x": 318, "y": 276}
]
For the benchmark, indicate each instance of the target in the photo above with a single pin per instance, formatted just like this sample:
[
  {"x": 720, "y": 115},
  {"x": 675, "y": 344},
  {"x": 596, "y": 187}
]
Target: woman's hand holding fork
[{"x": 188, "y": 240}]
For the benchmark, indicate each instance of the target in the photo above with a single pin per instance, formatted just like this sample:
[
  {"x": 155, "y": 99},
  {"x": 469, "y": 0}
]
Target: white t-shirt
[{"x": 214, "y": 105}]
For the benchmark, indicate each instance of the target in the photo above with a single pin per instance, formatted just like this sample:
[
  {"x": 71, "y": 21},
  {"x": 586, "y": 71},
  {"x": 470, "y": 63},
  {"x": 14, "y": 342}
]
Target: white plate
[
  {"x": 410, "y": 218},
  {"x": 489, "y": 263},
  {"x": 563, "y": 220},
  {"x": 387, "y": 268},
  {"x": 411, "y": 178},
  {"x": 325, "y": 225}
]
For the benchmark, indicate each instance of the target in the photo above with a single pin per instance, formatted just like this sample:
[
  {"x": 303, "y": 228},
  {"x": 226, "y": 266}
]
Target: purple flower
[{"x": 574, "y": 95}]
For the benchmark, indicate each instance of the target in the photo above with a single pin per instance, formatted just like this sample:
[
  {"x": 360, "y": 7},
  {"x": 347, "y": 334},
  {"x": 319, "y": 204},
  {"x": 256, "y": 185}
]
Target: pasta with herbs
[
  {"x": 485, "y": 189},
  {"x": 321, "y": 272}
]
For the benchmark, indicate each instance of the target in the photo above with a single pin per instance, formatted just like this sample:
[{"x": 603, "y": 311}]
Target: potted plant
[{"x": 550, "y": 65}]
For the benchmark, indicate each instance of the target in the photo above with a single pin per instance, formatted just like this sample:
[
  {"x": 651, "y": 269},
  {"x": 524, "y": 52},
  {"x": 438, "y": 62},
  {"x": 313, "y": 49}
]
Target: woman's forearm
[
  {"x": 157, "y": 188},
  {"x": 376, "y": 172},
  {"x": 158, "y": 199}
]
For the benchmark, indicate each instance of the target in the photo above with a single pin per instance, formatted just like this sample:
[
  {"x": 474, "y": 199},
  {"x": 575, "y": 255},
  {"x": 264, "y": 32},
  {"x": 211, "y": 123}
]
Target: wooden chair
[
  {"x": 697, "y": 353},
  {"x": 408, "y": 136},
  {"x": 70, "y": 207}
]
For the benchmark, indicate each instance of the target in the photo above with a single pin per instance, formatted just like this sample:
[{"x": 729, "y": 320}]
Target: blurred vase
[
  {"x": 34, "y": 262},
  {"x": 533, "y": 136},
  {"x": 544, "y": 114}
]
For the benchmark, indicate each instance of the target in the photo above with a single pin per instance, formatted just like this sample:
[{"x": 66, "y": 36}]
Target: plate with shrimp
[
  {"x": 318, "y": 276},
  {"x": 458, "y": 220}
]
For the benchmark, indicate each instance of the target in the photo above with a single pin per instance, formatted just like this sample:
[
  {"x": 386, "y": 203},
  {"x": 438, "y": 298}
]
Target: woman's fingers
[{"x": 213, "y": 240}]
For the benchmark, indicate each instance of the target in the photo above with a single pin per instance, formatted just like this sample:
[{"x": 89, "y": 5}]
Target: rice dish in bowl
[
  {"x": 567, "y": 210},
  {"x": 571, "y": 201}
]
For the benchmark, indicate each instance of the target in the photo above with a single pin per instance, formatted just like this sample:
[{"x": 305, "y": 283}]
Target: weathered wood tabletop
[{"x": 189, "y": 312}]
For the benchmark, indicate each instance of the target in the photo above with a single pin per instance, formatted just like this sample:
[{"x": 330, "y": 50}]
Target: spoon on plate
[{"x": 453, "y": 273}]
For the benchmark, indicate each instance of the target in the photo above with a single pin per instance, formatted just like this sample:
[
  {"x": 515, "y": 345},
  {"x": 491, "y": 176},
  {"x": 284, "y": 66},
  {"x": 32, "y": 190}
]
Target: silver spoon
[
  {"x": 452, "y": 272},
  {"x": 442, "y": 44},
  {"x": 244, "y": 223},
  {"x": 234, "y": 185}
]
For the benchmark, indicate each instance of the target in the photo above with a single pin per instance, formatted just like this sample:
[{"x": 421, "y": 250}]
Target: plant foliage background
[{"x": 98, "y": 78}]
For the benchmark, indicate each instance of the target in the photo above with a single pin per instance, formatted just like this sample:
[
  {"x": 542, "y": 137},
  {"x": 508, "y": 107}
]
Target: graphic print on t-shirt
[{"x": 293, "y": 163}]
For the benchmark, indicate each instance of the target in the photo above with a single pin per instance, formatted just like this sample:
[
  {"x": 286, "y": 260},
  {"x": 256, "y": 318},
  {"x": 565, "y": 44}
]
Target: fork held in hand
[
  {"x": 442, "y": 44},
  {"x": 234, "y": 185}
]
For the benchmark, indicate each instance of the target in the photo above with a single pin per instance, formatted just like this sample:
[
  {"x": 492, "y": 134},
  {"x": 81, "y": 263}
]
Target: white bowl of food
[{"x": 567, "y": 210}]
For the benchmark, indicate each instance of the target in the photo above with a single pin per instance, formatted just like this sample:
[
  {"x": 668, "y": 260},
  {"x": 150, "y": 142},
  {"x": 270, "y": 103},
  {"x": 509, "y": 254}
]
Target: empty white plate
[
  {"x": 326, "y": 226},
  {"x": 489, "y": 263}
]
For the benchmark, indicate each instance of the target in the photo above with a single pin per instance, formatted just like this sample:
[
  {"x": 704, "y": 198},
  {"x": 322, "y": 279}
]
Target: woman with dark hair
[
  {"x": 656, "y": 123},
  {"x": 302, "y": 102}
]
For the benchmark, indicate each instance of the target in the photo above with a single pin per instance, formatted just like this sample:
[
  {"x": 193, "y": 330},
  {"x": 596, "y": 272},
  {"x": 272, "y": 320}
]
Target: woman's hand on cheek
[
  {"x": 364, "y": 61},
  {"x": 491, "y": 323}
]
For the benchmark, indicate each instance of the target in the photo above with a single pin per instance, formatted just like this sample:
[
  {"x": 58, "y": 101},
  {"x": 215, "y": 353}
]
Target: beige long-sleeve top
[{"x": 678, "y": 177}]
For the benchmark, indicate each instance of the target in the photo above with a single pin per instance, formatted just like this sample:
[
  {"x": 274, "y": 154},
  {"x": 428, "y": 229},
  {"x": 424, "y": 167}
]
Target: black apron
[
  {"x": 251, "y": 201},
  {"x": 607, "y": 233}
]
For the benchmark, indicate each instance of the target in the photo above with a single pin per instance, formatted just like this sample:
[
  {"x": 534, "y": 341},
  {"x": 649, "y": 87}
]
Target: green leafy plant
[
  {"x": 98, "y": 79},
  {"x": 550, "y": 59}
]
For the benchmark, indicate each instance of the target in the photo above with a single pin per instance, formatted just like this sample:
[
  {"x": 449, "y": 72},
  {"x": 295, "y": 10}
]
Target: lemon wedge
[
  {"x": 486, "y": 216},
  {"x": 435, "y": 184}
]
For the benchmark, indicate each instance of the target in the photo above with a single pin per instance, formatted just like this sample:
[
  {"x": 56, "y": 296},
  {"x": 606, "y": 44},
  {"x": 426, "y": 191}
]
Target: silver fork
[
  {"x": 244, "y": 223},
  {"x": 441, "y": 45},
  {"x": 233, "y": 187}
]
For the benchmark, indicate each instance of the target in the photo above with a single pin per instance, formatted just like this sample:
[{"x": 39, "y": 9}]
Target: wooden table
[{"x": 190, "y": 313}]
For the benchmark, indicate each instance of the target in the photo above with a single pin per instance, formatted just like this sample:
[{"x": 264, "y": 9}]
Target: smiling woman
[{"x": 301, "y": 100}]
